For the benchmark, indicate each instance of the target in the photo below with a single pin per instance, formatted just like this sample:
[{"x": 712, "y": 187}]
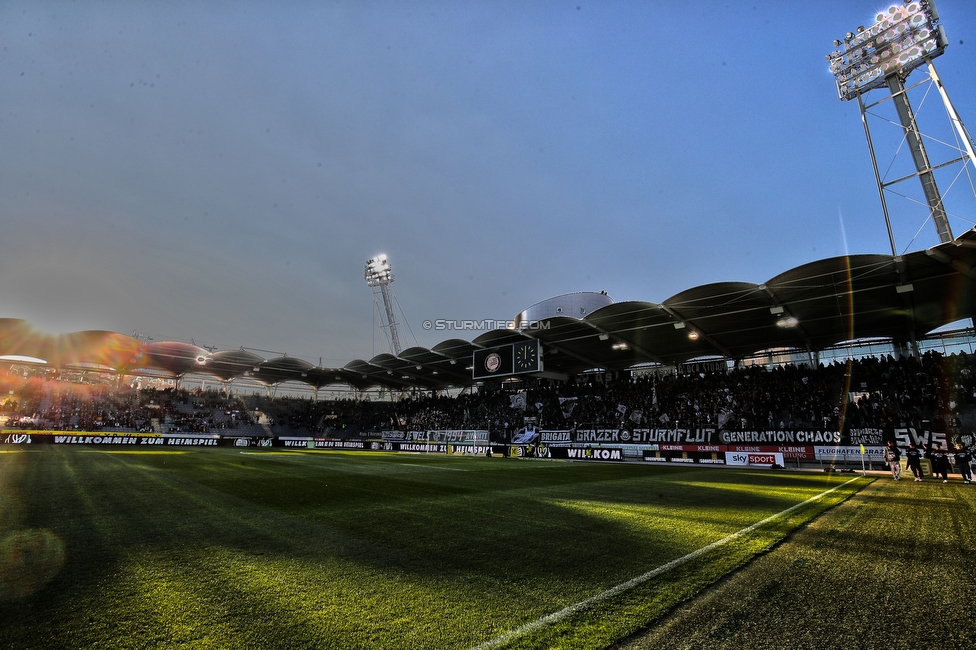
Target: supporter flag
[
  {"x": 664, "y": 418},
  {"x": 654, "y": 396},
  {"x": 622, "y": 410},
  {"x": 518, "y": 401},
  {"x": 566, "y": 405},
  {"x": 526, "y": 436},
  {"x": 635, "y": 416}
]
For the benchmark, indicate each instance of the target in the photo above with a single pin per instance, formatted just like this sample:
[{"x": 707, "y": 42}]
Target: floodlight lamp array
[
  {"x": 902, "y": 38},
  {"x": 378, "y": 271}
]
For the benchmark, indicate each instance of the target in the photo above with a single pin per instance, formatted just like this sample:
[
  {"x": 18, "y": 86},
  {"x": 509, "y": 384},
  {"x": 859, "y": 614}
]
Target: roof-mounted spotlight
[{"x": 693, "y": 335}]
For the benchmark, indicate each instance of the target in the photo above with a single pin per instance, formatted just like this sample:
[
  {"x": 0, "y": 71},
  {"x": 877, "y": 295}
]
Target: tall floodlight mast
[
  {"x": 903, "y": 39},
  {"x": 379, "y": 277}
]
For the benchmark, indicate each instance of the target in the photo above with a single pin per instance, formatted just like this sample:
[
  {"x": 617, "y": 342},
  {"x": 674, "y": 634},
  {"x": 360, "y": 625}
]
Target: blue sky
[{"x": 221, "y": 171}]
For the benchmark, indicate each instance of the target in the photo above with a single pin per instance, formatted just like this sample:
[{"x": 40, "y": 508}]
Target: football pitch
[{"x": 224, "y": 548}]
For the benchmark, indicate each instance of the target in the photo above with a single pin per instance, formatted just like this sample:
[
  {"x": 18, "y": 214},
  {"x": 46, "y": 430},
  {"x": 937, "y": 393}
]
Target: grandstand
[
  {"x": 800, "y": 414},
  {"x": 823, "y": 358},
  {"x": 823, "y": 363}
]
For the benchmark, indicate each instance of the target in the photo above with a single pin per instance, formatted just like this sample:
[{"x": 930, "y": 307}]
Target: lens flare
[{"x": 29, "y": 559}]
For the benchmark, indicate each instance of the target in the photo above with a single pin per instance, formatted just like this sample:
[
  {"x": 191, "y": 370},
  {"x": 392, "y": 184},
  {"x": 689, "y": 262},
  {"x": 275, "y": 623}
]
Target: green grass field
[
  {"x": 891, "y": 567},
  {"x": 221, "y": 548}
]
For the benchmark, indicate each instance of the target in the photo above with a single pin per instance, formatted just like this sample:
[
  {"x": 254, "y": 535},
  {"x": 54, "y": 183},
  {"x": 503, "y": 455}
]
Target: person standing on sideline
[
  {"x": 892, "y": 455},
  {"x": 964, "y": 459},
  {"x": 913, "y": 458},
  {"x": 940, "y": 462}
]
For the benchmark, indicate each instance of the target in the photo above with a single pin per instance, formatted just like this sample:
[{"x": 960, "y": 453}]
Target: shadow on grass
[
  {"x": 181, "y": 547},
  {"x": 889, "y": 568}
]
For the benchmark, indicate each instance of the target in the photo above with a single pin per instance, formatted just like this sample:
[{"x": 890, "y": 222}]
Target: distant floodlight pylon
[{"x": 379, "y": 277}]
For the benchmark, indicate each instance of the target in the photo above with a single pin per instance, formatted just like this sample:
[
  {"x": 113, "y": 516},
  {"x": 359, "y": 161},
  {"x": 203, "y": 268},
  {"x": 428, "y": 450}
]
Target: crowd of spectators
[
  {"x": 46, "y": 403},
  {"x": 876, "y": 392}
]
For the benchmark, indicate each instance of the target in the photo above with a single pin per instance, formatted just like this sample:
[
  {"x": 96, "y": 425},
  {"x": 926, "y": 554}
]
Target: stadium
[{"x": 708, "y": 470}]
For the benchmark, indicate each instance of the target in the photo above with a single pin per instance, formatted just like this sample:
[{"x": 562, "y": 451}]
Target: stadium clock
[{"x": 527, "y": 356}]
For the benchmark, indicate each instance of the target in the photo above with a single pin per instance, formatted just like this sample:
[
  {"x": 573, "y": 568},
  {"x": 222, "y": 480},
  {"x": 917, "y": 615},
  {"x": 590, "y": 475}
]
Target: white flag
[{"x": 518, "y": 401}]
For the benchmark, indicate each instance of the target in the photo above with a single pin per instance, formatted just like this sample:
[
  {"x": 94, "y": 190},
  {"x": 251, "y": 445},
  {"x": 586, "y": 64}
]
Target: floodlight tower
[
  {"x": 902, "y": 39},
  {"x": 379, "y": 277}
]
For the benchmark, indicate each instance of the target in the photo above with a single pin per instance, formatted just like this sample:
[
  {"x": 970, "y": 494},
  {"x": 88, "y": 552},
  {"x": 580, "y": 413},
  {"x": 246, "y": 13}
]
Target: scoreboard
[{"x": 519, "y": 358}]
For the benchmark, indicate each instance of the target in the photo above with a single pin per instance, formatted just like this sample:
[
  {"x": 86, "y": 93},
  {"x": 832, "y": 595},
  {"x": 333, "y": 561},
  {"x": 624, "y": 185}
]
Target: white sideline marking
[
  {"x": 566, "y": 612},
  {"x": 446, "y": 469}
]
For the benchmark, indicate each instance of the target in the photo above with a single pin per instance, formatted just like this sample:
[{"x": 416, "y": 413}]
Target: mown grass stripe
[{"x": 566, "y": 612}]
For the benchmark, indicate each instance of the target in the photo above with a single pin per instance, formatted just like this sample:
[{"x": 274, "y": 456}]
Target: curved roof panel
[
  {"x": 843, "y": 298},
  {"x": 171, "y": 357},
  {"x": 375, "y": 375},
  {"x": 403, "y": 369},
  {"x": 91, "y": 347},
  {"x": 572, "y": 345},
  {"x": 97, "y": 347},
  {"x": 456, "y": 349},
  {"x": 230, "y": 364},
  {"x": 493, "y": 338},
  {"x": 279, "y": 369},
  {"x": 733, "y": 318},
  {"x": 649, "y": 330},
  {"x": 447, "y": 369}
]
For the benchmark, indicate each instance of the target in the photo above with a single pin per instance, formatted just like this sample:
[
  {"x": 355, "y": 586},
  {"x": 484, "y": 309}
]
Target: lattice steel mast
[{"x": 903, "y": 38}]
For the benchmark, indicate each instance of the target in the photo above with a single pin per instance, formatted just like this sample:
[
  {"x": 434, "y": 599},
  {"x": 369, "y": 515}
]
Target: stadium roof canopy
[{"x": 807, "y": 308}]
